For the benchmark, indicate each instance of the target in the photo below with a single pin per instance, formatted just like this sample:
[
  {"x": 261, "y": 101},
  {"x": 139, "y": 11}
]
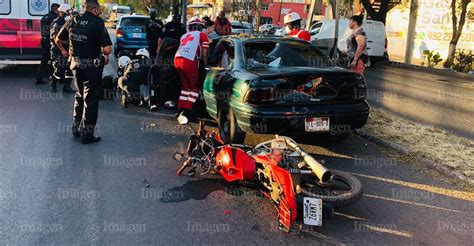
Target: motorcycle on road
[{"x": 292, "y": 179}]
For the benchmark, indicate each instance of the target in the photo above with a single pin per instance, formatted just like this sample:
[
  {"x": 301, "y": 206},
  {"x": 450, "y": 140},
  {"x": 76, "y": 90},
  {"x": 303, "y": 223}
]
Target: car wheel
[{"x": 229, "y": 129}]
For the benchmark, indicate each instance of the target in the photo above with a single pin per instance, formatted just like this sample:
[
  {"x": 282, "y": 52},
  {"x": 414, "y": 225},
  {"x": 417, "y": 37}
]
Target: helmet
[
  {"x": 64, "y": 7},
  {"x": 123, "y": 61},
  {"x": 143, "y": 52},
  {"x": 153, "y": 13},
  {"x": 195, "y": 21},
  {"x": 291, "y": 17}
]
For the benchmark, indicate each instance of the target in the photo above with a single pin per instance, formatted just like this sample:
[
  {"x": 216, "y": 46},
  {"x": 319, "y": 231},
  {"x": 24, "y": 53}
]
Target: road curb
[
  {"x": 435, "y": 71},
  {"x": 404, "y": 150}
]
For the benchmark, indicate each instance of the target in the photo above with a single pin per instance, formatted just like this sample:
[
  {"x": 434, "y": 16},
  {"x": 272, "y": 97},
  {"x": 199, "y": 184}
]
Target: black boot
[
  {"x": 90, "y": 139},
  {"x": 67, "y": 89},
  {"x": 53, "y": 84},
  {"x": 75, "y": 132}
]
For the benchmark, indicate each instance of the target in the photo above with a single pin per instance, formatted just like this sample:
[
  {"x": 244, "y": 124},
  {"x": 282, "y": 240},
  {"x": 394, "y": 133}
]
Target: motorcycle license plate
[
  {"x": 319, "y": 124},
  {"x": 312, "y": 211}
]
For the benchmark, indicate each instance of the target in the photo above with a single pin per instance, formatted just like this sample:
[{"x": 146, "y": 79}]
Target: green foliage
[
  {"x": 463, "y": 61},
  {"x": 432, "y": 57}
]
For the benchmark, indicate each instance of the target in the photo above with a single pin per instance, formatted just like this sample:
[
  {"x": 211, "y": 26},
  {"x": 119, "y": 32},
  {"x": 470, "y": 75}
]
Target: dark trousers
[
  {"x": 152, "y": 46},
  {"x": 164, "y": 85},
  {"x": 62, "y": 72},
  {"x": 44, "y": 69},
  {"x": 86, "y": 100},
  {"x": 131, "y": 88}
]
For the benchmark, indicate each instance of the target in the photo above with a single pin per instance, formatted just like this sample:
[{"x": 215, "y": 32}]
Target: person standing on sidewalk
[
  {"x": 191, "y": 55},
  {"x": 357, "y": 46},
  {"x": 89, "y": 48},
  {"x": 62, "y": 72},
  {"x": 45, "y": 67}
]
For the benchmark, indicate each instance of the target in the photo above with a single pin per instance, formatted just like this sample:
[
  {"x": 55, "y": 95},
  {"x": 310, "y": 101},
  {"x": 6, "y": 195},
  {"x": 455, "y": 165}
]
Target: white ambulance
[{"x": 20, "y": 28}]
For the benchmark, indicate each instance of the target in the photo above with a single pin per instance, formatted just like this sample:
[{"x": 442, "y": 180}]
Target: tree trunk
[
  {"x": 258, "y": 6},
  {"x": 457, "y": 30}
]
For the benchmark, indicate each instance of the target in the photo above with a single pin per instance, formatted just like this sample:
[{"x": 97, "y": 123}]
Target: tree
[
  {"x": 381, "y": 14},
  {"x": 458, "y": 8}
]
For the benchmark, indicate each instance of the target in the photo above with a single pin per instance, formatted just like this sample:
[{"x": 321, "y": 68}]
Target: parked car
[
  {"x": 322, "y": 36},
  {"x": 276, "y": 85},
  {"x": 131, "y": 34},
  {"x": 266, "y": 28},
  {"x": 241, "y": 27},
  {"x": 280, "y": 31}
]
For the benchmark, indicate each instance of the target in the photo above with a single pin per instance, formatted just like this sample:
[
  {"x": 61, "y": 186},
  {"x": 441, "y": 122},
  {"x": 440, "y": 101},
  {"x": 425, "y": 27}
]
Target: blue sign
[{"x": 39, "y": 5}]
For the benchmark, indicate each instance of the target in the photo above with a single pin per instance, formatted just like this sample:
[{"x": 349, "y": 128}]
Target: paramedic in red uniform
[
  {"x": 192, "y": 54},
  {"x": 293, "y": 27}
]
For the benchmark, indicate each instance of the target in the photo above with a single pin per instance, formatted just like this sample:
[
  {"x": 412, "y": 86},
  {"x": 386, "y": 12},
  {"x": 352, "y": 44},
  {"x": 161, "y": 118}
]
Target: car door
[{"x": 219, "y": 76}]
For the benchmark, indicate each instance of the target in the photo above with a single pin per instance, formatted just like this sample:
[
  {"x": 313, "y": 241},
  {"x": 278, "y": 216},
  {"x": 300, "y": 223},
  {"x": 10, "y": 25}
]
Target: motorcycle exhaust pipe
[{"x": 323, "y": 174}]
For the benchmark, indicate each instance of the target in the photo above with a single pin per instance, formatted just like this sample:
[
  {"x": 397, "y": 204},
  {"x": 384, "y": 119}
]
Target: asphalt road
[
  {"x": 55, "y": 191},
  {"x": 439, "y": 101}
]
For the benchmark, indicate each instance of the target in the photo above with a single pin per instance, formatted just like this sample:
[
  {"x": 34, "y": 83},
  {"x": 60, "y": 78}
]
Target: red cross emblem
[{"x": 187, "y": 39}]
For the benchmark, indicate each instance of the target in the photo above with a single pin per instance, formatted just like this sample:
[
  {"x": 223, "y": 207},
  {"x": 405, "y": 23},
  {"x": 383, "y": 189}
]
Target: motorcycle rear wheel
[{"x": 332, "y": 193}]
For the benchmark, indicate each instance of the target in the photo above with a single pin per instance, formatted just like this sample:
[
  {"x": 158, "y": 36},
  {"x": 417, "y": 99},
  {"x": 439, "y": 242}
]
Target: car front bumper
[{"x": 343, "y": 117}]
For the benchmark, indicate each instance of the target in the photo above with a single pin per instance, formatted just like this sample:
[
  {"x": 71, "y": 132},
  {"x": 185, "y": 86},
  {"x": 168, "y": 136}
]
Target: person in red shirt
[
  {"x": 293, "y": 27},
  {"x": 191, "y": 54},
  {"x": 223, "y": 26}
]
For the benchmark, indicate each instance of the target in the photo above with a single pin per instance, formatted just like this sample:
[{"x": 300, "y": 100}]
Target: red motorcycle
[{"x": 297, "y": 184}]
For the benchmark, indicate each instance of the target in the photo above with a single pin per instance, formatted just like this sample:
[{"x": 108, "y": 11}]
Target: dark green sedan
[{"x": 277, "y": 85}]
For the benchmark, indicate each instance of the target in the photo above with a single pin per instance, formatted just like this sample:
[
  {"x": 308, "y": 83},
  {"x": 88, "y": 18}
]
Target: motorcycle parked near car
[{"x": 292, "y": 179}]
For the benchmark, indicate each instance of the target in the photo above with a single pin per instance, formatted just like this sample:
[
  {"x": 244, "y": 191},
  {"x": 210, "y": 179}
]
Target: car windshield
[
  {"x": 285, "y": 53},
  {"x": 133, "y": 22}
]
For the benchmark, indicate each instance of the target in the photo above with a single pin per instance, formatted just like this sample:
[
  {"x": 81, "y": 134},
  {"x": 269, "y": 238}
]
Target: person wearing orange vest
[
  {"x": 191, "y": 52},
  {"x": 293, "y": 27}
]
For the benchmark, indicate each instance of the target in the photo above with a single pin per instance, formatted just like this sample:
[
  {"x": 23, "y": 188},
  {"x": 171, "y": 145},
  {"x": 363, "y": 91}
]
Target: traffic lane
[
  {"x": 433, "y": 100},
  {"x": 54, "y": 189}
]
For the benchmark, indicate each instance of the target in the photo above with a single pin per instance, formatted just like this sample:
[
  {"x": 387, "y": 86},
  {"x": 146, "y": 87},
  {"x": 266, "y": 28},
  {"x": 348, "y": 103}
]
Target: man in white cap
[
  {"x": 62, "y": 72},
  {"x": 293, "y": 27}
]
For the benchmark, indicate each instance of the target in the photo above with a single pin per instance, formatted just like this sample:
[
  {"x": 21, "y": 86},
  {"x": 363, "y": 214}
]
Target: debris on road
[{"x": 145, "y": 182}]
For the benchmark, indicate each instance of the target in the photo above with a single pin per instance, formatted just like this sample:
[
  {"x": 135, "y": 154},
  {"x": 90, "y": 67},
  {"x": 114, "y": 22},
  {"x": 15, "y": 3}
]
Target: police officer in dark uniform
[
  {"x": 62, "y": 72},
  {"x": 45, "y": 67},
  {"x": 135, "y": 75},
  {"x": 89, "y": 47},
  {"x": 154, "y": 29},
  {"x": 174, "y": 29}
]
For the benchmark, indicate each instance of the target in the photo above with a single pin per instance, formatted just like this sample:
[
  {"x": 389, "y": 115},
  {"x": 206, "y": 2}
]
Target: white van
[
  {"x": 20, "y": 28},
  {"x": 118, "y": 12},
  {"x": 322, "y": 36}
]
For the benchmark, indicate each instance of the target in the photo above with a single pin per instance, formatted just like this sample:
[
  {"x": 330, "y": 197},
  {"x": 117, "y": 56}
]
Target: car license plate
[
  {"x": 320, "y": 124},
  {"x": 312, "y": 211},
  {"x": 136, "y": 35}
]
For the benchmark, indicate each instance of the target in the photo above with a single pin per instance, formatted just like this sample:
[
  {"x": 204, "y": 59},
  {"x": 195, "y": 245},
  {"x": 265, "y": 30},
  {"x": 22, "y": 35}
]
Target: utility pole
[
  {"x": 183, "y": 11},
  {"x": 336, "y": 29},
  {"x": 258, "y": 6}
]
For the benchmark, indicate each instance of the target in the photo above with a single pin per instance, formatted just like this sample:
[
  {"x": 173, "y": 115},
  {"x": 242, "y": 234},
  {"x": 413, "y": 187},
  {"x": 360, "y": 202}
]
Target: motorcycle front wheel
[{"x": 344, "y": 189}]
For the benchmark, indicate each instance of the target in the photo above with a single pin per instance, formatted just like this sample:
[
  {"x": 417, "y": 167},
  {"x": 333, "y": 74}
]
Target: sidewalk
[{"x": 433, "y": 99}]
